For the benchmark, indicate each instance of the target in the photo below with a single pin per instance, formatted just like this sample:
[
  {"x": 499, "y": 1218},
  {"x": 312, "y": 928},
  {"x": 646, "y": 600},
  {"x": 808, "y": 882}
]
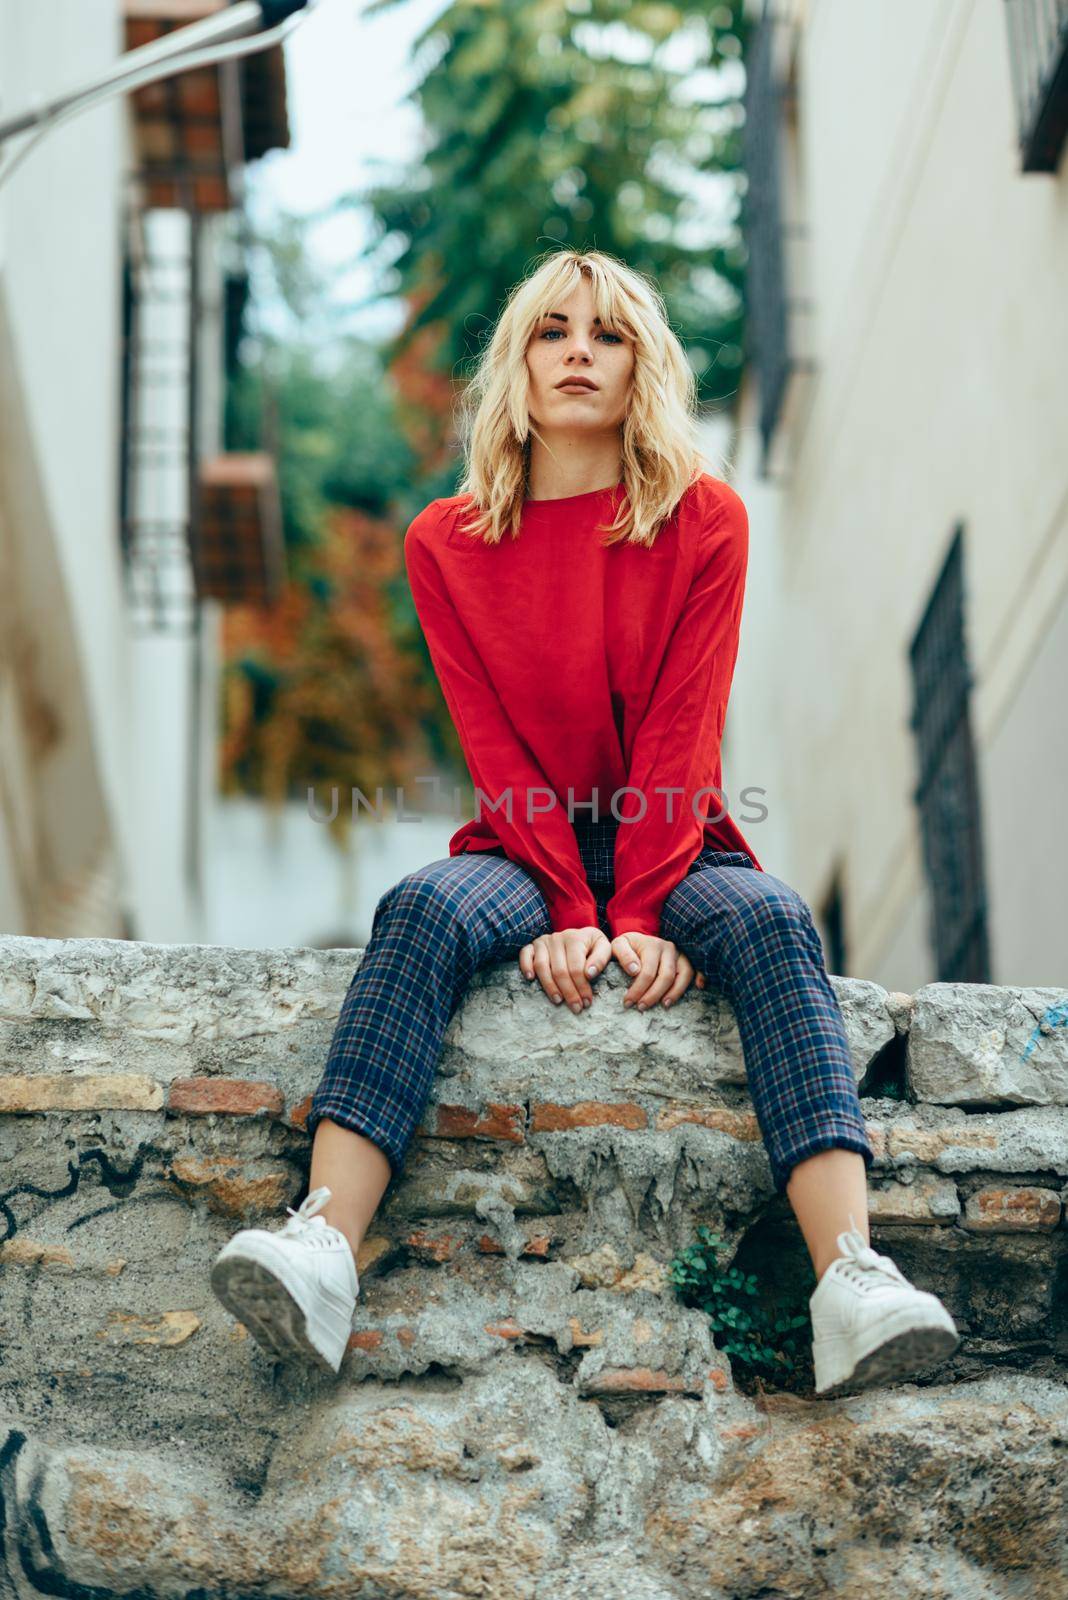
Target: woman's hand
[
  {"x": 659, "y": 968},
  {"x": 565, "y": 962}
]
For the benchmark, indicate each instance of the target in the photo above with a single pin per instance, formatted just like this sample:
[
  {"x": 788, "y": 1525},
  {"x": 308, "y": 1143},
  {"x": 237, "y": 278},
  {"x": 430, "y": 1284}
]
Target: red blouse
[{"x": 569, "y": 665}]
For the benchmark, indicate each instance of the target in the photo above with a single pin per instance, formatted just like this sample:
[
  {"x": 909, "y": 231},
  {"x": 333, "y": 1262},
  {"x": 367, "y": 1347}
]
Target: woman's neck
[{"x": 575, "y": 467}]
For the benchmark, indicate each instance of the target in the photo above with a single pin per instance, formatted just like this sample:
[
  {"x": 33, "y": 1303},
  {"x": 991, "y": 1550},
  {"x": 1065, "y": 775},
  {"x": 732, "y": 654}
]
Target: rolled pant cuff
[
  {"x": 355, "y": 1122},
  {"x": 829, "y": 1140}
]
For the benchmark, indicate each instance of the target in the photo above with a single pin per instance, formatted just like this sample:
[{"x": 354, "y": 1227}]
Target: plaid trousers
[{"x": 750, "y": 933}]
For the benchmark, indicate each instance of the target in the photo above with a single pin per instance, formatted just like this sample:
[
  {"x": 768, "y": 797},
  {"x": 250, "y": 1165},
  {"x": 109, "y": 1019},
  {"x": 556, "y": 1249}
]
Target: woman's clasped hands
[{"x": 564, "y": 962}]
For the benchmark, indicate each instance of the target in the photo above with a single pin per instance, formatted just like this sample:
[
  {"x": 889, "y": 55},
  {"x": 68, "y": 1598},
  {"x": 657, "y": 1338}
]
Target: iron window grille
[
  {"x": 1038, "y": 56},
  {"x": 947, "y": 792}
]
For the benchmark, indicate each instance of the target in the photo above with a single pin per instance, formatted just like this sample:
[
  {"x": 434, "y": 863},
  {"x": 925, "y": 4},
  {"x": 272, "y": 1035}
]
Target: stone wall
[{"x": 527, "y": 1410}]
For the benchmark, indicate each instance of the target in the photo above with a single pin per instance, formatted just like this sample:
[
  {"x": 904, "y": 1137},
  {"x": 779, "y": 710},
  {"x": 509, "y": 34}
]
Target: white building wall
[
  {"x": 59, "y": 328},
  {"x": 105, "y": 770},
  {"x": 938, "y": 270}
]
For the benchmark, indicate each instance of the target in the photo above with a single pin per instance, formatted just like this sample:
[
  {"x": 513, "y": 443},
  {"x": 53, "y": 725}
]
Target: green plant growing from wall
[{"x": 767, "y": 1345}]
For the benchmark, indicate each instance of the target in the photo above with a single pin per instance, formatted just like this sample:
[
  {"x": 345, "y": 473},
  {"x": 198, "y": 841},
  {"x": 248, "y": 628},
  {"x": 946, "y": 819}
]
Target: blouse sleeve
[
  {"x": 542, "y": 841},
  {"x": 677, "y": 745}
]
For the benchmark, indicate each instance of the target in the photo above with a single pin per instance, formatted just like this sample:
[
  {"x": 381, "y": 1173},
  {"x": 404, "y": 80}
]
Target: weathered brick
[
  {"x": 169, "y": 1328},
  {"x": 546, "y": 1117},
  {"x": 367, "y": 1339},
  {"x": 536, "y": 1245},
  {"x": 66, "y": 1091},
  {"x": 647, "y": 1273},
  {"x": 507, "y": 1329},
  {"x": 640, "y": 1380},
  {"x": 927, "y": 1144},
  {"x": 232, "y": 1097},
  {"x": 225, "y": 1185},
  {"x": 602, "y": 1269},
  {"x": 297, "y": 1115},
  {"x": 1001, "y": 1210},
  {"x": 493, "y": 1121},
  {"x": 740, "y": 1430},
  {"x": 928, "y": 1201},
  {"x": 718, "y": 1380},
  {"x": 433, "y": 1248},
  {"x": 373, "y": 1247},
  {"x": 406, "y": 1337},
  {"x": 21, "y": 1252},
  {"x": 877, "y": 1139},
  {"x": 739, "y": 1124},
  {"x": 582, "y": 1336}
]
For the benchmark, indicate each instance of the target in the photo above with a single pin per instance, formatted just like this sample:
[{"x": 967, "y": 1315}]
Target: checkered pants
[{"x": 750, "y": 933}]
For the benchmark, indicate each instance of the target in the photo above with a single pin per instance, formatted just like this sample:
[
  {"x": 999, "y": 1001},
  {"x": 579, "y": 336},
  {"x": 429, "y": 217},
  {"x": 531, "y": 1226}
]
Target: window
[
  {"x": 1038, "y": 54},
  {"x": 832, "y": 926},
  {"x": 947, "y": 792}
]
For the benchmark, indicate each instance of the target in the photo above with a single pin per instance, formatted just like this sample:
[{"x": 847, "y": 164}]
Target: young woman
[{"x": 581, "y": 599}]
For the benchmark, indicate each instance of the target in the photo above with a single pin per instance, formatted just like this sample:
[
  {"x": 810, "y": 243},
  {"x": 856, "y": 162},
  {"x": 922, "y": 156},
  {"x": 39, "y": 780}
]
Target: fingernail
[
  {"x": 633, "y": 966},
  {"x": 641, "y": 1005},
  {"x": 591, "y": 972},
  {"x": 557, "y": 999},
  {"x": 576, "y": 1005},
  {"x": 585, "y": 1005}
]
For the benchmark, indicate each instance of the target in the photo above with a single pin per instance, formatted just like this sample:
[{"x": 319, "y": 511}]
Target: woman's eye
[{"x": 604, "y": 334}]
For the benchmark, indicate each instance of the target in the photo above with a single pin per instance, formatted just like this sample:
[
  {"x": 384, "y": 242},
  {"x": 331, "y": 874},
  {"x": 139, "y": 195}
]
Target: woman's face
[{"x": 570, "y": 344}]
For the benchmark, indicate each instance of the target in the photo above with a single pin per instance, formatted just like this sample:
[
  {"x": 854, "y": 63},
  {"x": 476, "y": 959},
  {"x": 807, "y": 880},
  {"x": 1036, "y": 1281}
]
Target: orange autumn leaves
[{"x": 318, "y": 688}]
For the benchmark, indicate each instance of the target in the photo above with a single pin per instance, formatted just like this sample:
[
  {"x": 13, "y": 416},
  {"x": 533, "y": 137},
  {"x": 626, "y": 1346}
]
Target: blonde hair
[{"x": 660, "y": 455}]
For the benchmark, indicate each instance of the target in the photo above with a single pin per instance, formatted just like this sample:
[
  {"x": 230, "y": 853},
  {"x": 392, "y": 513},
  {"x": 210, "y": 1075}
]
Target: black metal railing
[
  {"x": 1038, "y": 54},
  {"x": 766, "y": 304},
  {"x": 947, "y": 792}
]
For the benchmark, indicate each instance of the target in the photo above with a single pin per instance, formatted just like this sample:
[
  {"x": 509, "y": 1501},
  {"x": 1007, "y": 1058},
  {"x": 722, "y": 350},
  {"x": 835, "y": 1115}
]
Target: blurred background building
[
  {"x": 124, "y": 526},
  {"x": 210, "y": 447},
  {"x": 903, "y": 451}
]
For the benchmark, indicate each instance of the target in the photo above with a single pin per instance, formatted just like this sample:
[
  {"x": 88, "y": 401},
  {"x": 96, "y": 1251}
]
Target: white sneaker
[
  {"x": 294, "y": 1288},
  {"x": 870, "y": 1324}
]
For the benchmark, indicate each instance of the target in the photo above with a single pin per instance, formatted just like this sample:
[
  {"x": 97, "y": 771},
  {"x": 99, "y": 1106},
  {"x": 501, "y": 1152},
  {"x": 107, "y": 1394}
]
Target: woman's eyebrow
[{"x": 560, "y": 317}]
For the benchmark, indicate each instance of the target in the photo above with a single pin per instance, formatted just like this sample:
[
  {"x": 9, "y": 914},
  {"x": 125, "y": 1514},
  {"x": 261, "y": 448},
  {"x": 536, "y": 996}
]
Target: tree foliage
[{"x": 588, "y": 123}]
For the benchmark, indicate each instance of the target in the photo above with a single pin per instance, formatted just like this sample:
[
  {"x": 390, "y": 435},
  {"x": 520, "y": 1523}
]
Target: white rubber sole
[
  {"x": 253, "y": 1289},
  {"x": 902, "y": 1344}
]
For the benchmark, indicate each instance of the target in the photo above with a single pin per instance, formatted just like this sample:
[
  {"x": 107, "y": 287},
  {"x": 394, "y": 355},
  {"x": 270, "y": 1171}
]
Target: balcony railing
[{"x": 1038, "y": 53}]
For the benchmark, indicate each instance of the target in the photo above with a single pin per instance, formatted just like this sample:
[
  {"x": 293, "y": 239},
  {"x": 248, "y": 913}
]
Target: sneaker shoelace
[
  {"x": 305, "y": 1223},
  {"x": 864, "y": 1266}
]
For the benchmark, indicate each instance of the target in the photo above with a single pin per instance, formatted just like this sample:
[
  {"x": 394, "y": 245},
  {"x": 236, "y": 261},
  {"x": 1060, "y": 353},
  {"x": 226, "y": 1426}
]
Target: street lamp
[{"x": 237, "y": 30}]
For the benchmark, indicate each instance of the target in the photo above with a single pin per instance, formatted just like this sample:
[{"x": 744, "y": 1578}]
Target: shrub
[{"x": 768, "y": 1345}]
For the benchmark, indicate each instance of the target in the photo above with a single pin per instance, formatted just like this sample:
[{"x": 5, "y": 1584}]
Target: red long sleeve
[
  {"x": 572, "y": 666},
  {"x": 497, "y": 758},
  {"x": 677, "y": 745}
]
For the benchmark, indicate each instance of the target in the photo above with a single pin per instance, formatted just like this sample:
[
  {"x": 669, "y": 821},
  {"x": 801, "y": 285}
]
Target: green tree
[{"x": 589, "y": 123}]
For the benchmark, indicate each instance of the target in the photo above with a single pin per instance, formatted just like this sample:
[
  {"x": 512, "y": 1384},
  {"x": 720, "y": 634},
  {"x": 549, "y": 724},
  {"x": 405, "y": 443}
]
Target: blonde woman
[{"x": 581, "y": 598}]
